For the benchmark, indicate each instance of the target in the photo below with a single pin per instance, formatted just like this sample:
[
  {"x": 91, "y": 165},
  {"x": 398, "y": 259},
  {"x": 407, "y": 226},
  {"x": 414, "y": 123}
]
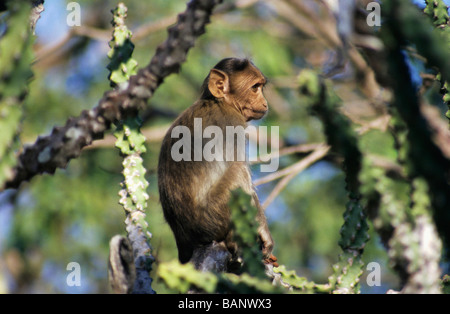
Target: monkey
[{"x": 194, "y": 194}]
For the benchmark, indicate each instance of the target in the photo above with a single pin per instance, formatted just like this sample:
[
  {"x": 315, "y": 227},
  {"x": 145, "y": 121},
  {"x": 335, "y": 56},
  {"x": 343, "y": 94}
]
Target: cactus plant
[
  {"x": 437, "y": 10},
  {"x": 16, "y": 57},
  {"x": 425, "y": 159},
  {"x": 131, "y": 143},
  {"x": 341, "y": 137},
  {"x": 243, "y": 215}
]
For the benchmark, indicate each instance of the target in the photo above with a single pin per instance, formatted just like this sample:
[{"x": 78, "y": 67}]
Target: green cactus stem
[
  {"x": 297, "y": 284},
  {"x": 184, "y": 278},
  {"x": 437, "y": 10},
  {"x": 408, "y": 233},
  {"x": 403, "y": 218},
  {"x": 403, "y": 25},
  {"x": 243, "y": 219},
  {"x": 122, "y": 66},
  {"x": 416, "y": 248},
  {"x": 16, "y": 56},
  {"x": 254, "y": 278},
  {"x": 131, "y": 143},
  {"x": 354, "y": 235},
  {"x": 342, "y": 139},
  {"x": 245, "y": 283}
]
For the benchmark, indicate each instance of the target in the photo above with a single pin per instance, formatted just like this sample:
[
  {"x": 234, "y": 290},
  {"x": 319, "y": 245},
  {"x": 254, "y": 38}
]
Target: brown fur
[{"x": 195, "y": 194}]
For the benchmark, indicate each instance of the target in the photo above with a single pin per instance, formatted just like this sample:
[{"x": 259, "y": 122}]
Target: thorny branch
[{"x": 65, "y": 142}]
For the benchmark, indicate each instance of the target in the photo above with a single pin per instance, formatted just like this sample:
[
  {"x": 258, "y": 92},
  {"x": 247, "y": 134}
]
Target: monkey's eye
[{"x": 256, "y": 86}]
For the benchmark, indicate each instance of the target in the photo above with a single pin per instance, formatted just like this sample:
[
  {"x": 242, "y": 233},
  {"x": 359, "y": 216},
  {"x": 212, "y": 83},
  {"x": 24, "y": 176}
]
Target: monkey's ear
[{"x": 218, "y": 83}]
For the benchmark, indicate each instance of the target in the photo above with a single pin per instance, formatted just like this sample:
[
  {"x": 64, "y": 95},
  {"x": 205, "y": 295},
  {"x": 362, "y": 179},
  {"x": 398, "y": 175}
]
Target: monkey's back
[{"x": 194, "y": 194}]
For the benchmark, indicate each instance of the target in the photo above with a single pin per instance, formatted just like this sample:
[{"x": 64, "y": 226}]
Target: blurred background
[{"x": 71, "y": 216}]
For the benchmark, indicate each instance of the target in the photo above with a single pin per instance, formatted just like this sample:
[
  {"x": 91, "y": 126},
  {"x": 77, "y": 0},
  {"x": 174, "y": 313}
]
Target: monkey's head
[{"x": 237, "y": 83}]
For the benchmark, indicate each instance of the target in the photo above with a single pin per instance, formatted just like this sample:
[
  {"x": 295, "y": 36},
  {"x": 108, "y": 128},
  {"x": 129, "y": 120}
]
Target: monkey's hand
[
  {"x": 266, "y": 244},
  {"x": 271, "y": 260}
]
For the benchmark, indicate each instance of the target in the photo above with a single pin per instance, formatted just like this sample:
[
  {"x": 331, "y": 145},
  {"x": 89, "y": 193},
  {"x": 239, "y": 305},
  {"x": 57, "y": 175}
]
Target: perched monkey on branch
[{"x": 194, "y": 193}]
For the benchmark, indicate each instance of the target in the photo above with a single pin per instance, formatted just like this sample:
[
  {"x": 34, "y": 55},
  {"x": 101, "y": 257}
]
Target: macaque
[{"x": 194, "y": 193}]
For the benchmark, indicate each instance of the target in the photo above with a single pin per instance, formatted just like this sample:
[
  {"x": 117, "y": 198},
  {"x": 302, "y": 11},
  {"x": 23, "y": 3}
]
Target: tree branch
[
  {"x": 64, "y": 143},
  {"x": 292, "y": 171}
]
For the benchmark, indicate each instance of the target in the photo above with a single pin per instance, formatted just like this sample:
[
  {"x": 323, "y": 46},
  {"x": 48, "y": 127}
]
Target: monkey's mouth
[
  {"x": 255, "y": 114},
  {"x": 262, "y": 112}
]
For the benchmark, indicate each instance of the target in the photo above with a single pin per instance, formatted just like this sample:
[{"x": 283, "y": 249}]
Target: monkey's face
[
  {"x": 255, "y": 107},
  {"x": 242, "y": 90},
  {"x": 248, "y": 93}
]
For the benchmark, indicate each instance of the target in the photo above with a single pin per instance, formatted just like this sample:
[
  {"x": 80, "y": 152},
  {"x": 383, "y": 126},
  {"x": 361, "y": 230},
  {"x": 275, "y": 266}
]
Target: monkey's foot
[{"x": 271, "y": 260}]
